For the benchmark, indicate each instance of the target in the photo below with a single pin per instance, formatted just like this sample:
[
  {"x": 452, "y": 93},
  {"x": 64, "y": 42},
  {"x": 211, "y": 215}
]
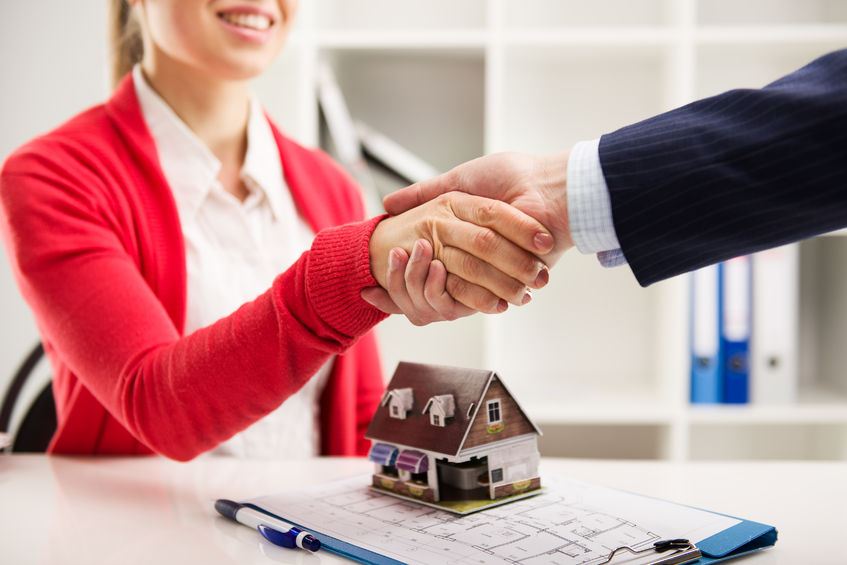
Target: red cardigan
[{"x": 93, "y": 235}]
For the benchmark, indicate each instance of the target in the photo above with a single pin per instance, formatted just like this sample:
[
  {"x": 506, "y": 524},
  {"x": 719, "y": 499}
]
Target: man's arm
[
  {"x": 536, "y": 185},
  {"x": 721, "y": 177},
  {"x": 733, "y": 174}
]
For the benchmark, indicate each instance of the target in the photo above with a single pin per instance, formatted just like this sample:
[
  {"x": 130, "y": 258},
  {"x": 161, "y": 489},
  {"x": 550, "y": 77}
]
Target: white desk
[{"x": 87, "y": 511}]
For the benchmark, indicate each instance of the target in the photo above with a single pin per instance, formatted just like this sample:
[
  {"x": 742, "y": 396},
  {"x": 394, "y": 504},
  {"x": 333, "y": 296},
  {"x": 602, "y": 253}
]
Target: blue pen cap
[
  {"x": 304, "y": 539},
  {"x": 311, "y": 543}
]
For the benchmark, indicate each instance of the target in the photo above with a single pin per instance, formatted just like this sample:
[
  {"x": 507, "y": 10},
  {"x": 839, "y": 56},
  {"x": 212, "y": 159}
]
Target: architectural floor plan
[{"x": 570, "y": 523}]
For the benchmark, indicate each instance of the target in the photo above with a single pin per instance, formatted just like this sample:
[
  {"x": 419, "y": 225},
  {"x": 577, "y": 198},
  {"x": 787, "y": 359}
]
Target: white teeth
[{"x": 252, "y": 21}]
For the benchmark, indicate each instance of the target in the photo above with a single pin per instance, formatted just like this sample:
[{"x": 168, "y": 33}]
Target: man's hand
[
  {"x": 536, "y": 185},
  {"x": 481, "y": 243}
]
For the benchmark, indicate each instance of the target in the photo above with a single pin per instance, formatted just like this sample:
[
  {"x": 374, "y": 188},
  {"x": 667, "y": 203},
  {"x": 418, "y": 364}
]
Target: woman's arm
[{"x": 84, "y": 260}]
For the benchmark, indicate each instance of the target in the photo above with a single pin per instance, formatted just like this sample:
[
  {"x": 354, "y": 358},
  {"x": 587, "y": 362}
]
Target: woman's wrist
[
  {"x": 338, "y": 269},
  {"x": 379, "y": 250}
]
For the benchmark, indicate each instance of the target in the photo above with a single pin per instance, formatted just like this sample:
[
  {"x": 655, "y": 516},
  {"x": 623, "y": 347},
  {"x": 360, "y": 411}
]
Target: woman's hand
[
  {"x": 483, "y": 269},
  {"x": 416, "y": 287}
]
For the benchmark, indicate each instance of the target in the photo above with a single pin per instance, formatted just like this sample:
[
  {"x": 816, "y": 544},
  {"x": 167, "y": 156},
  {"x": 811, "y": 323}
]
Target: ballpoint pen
[{"x": 273, "y": 529}]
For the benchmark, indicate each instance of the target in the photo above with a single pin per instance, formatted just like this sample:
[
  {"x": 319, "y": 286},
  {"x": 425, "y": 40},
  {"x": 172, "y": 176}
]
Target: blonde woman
[{"x": 196, "y": 276}]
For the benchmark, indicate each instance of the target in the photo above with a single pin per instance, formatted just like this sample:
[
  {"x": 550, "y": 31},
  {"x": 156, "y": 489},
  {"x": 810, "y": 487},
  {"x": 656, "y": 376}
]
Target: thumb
[{"x": 407, "y": 198}]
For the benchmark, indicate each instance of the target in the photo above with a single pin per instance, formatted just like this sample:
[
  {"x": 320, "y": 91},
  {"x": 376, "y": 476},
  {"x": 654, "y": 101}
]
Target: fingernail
[
  {"x": 543, "y": 277},
  {"x": 417, "y": 251},
  {"x": 526, "y": 297},
  {"x": 502, "y": 305},
  {"x": 393, "y": 261},
  {"x": 543, "y": 241}
]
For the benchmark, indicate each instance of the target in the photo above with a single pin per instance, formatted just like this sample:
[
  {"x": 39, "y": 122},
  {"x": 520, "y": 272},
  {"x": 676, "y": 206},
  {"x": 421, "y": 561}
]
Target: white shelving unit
[{"x": 599, "y": 362}]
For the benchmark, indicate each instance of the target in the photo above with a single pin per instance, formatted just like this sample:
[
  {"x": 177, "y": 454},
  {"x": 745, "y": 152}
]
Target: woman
[{"x": 144, "y": 234}]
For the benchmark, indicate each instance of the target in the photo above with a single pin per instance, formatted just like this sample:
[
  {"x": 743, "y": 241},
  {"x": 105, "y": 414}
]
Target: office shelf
[
  {"x": 380, "y": 15},
  {"x": 837, "y": 233},
  {"x": 589, "y": 37},
  {"x": 829, "y": 412},
  {"x": 545, "y": 14},
  {"x": 772, "y": 36},
  {"x": 739, "y": 63},
  {"x": 401, "y": 39},
  {"x": 767, "y": 13},
  {"x": 599, "y": 362},
  {"x": 771, "y": 440}
]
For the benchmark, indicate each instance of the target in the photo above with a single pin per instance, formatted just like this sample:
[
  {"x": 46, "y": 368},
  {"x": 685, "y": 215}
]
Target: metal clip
[{"x": 683, "y": 552}]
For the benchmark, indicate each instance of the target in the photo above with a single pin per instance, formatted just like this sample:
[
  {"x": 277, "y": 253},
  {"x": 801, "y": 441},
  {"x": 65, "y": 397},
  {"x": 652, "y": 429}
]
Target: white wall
[{"x": 53, "y": 63}]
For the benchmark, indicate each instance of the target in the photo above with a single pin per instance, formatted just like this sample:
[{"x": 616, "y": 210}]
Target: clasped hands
[{"x": 474, "y": 239}]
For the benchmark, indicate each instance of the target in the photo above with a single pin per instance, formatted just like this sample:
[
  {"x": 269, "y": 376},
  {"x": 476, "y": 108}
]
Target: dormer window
[
  {"x": 399, "y": 401},
  {"x": 492, "y": 408},
  {"x": 440, "y": 408}
]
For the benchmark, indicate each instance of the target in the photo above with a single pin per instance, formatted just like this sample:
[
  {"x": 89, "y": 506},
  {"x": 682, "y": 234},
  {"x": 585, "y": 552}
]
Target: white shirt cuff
[{"x": 589, "y": 205}]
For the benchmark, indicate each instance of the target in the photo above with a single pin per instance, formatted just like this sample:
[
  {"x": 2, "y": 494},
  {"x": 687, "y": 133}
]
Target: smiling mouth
[{"x": 257, "y": 22}]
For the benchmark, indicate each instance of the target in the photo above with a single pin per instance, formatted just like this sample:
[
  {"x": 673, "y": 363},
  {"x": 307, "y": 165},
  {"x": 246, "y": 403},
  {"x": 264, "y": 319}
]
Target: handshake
[{"x": 474, "y": 239}]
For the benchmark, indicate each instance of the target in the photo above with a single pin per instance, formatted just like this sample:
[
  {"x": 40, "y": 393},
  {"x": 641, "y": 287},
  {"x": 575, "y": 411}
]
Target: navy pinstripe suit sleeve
[{"x": 732, "y": 174}]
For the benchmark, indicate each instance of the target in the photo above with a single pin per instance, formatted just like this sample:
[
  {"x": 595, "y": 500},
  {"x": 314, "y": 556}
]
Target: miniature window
[
  {"x": 440, "y": 408},
  {"x": 399, "y": 401},
  {"x": 493, "y": 409},
  {"x": 496, "y": 475}
]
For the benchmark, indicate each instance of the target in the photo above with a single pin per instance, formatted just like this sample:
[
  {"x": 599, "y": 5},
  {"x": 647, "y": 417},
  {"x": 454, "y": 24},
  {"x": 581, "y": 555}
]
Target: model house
[{"x": 445, "y": 433}]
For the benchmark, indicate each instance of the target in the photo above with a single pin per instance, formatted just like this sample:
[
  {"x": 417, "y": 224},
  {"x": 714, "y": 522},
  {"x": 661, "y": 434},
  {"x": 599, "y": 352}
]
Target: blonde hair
[{"x": 125, "y": 41}]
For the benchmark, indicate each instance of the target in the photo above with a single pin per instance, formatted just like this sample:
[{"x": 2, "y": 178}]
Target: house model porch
[{"x": 446, "y": 435}]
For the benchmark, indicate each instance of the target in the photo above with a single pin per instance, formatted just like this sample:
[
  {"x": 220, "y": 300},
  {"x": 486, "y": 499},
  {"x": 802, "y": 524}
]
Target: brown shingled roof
[{"x": 466, "y": 385}]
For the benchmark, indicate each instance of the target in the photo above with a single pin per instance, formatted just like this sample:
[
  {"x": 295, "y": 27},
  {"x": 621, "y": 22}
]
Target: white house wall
[{"x": 519, "y": 462}]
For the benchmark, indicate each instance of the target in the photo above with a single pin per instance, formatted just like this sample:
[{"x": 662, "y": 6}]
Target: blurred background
[{"x": 601, "y": 364}]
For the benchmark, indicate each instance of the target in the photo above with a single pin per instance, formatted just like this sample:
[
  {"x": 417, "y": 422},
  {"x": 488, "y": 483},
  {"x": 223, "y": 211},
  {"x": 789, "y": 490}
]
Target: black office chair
[{"x": 39, "y": 422}]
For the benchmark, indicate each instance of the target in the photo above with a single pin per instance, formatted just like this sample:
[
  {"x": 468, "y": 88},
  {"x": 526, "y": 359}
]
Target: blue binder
[
  {"x": 706, "y": 366},
  {"x": 736, "y": 299},
  {"x": 741, "y": 539}
]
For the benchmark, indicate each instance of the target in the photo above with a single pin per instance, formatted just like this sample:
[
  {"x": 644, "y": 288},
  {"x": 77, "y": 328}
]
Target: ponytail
[{"x": 124, "y": 39}]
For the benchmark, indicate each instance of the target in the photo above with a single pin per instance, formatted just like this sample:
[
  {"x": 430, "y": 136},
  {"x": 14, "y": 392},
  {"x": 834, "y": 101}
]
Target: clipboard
[
  {"x": 742, "y": 539},
  {"x": 352, "y": 521}
]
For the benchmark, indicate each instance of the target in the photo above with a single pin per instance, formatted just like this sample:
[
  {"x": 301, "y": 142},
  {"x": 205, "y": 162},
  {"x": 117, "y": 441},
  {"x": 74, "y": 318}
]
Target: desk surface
[{"x": 62, "y": 510}]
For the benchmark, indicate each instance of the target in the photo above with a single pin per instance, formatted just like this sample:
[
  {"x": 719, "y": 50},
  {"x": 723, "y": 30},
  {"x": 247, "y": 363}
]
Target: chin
[
  {"x": 243, "y": 68},
  {"x": 243, "y": 73}
]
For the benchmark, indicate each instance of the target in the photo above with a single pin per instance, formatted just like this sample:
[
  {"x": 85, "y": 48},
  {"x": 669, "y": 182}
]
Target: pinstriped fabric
[{"x": 732, "y": 174}]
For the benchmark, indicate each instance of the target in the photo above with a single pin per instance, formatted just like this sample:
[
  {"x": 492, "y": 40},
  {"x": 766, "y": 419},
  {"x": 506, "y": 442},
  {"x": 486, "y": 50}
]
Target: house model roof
[{"x": 468, "y": 388}]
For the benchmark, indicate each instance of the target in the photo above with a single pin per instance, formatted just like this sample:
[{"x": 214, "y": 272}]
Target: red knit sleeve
[{"x": 76, "y": 240}]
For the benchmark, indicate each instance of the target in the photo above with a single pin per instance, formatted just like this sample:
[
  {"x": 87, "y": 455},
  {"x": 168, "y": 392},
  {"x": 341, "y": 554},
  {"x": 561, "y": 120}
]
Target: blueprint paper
[{"x": 569, "y": 523}]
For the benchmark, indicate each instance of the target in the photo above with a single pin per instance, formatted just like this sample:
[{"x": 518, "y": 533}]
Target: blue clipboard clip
[{"x": 683, "y": 552}]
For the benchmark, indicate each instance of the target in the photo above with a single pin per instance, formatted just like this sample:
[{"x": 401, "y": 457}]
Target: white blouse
[{"x": 233, "y": 252}]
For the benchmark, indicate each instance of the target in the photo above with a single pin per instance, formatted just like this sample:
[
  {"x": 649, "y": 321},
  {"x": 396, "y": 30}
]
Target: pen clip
[{"x": 283, "y": 539}]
